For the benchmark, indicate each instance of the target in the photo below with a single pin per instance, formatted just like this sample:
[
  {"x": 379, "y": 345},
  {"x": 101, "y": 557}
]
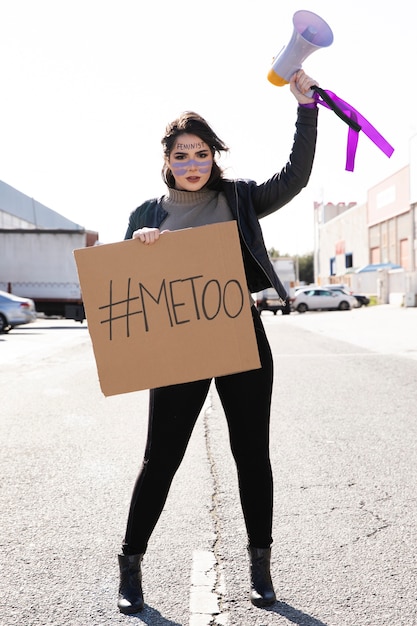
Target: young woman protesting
[{"x": 197, "y": 194}]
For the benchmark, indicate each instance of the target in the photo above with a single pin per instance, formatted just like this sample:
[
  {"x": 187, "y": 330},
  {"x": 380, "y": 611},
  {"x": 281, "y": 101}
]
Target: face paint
[{"x": 180, "y": 169}]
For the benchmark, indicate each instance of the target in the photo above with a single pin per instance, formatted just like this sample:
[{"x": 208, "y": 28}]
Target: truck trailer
[{"x": 39, "y": 264}]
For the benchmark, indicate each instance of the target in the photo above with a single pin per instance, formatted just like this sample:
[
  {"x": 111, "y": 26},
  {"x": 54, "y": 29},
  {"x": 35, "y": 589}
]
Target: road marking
[
  {"x": 207, "y": 579},
  {"x": 204, "y": 599}
]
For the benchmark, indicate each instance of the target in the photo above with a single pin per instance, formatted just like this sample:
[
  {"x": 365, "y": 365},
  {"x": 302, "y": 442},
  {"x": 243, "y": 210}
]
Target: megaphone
[{"x": 310, "y": 33}]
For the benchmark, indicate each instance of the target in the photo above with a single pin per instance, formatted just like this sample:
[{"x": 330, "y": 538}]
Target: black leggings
[{"x": 173, "y": 411}]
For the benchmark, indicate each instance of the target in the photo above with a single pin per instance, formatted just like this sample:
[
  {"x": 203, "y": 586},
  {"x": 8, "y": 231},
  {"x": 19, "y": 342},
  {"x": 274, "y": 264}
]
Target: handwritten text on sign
[
  {"x": 182, "y": 301},
  {"x": 175, "y": 311}
]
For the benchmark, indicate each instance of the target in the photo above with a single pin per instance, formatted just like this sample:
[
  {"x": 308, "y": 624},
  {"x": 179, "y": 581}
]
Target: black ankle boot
[
  {"x": 130, "y": 589},
  {"x": 262, "y": 592}
]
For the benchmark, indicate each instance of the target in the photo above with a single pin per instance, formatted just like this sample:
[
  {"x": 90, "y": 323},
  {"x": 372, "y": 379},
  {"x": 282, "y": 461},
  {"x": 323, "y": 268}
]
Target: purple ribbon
[{"x": 353, "y": 135}]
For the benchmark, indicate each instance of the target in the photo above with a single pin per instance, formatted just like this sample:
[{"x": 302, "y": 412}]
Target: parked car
[
  {"x": 268, "y": 300},
  {"x": 15, "y": 311},
  {"x": 361, "y": 298},
  {"x": 322, "y": 299}
]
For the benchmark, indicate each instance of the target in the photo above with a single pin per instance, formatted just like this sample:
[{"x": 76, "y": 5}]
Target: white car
[
  {"x": 315, "y": 299},
  {"x": 15, "y": 311}
]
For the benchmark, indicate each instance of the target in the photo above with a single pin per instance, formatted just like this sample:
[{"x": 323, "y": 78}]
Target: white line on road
[{"x": 204, "y": 601}]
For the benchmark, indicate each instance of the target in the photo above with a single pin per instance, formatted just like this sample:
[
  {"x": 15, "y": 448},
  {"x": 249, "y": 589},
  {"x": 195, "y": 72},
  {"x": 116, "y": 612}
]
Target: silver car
[
  {"x": 15, "y": 311},
  {"x": 315, "y": 299}
]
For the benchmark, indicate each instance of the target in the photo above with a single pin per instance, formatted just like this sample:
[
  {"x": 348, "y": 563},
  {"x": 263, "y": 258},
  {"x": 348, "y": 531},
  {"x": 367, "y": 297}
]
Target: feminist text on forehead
[{"x": 200, "y": 145}]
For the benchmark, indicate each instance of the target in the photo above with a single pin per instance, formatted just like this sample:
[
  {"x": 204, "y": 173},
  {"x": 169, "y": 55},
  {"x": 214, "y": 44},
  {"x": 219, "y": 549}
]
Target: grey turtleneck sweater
[{"x": 187, "y": 209}]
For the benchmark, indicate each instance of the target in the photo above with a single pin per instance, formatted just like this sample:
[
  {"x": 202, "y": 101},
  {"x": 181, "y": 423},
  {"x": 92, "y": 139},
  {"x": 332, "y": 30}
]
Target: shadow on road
[
  {"x": 152, "y": 617},
  {"x": 294, "y": 615}
]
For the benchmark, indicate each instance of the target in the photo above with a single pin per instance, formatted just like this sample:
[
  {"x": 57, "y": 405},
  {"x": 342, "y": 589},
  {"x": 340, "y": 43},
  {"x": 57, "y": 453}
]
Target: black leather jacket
[{"x": 249, "y": 202}]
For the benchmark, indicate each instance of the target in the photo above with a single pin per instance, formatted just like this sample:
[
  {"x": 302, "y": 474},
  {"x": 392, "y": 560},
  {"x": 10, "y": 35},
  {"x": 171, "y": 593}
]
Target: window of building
[
  {"x": 333, "y": 266},
  {"x": 375, "y": 255},
  {"x": 404, "y": 253},
  {"x": 348, "y": 260}
]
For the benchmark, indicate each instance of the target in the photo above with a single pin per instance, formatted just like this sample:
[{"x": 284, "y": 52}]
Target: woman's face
[{"x": 190, "y": 162}]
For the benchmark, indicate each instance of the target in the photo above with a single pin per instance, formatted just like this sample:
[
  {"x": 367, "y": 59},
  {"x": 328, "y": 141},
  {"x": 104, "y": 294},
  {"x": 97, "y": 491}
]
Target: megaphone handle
[{"x": 348, "y": 120}]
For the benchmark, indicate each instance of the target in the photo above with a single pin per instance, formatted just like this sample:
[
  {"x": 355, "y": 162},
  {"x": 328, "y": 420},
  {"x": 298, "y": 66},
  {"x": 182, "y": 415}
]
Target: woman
[{"x": 197, "y": 195}]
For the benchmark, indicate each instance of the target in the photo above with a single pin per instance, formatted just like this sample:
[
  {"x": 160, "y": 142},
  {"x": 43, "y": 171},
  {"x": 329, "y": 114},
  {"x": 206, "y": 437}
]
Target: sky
[{"x": 88, "y": 87}]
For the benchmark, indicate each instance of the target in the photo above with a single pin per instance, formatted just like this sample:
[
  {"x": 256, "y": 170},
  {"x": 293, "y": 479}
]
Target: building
[
  {"x": 341, "y": 239},
  {"x": 36, "y": 254},
  {"x": 19, "y": 211},
  {"x": 391, "y": 220},
  {"x": 371, "y": 247}
]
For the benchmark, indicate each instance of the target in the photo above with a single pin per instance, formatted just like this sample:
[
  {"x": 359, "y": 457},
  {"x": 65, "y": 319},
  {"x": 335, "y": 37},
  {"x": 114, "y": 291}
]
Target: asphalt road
[{"x": 343, "y": 436}]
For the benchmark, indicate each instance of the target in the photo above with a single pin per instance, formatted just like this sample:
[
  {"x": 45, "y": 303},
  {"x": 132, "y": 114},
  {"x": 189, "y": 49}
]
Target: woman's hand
[
  {"x": 148, "y": 235},
  {"x": 300, "y": 84}
]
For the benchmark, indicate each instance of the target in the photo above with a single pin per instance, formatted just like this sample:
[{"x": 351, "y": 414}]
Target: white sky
[{"x": 88, "y": 86}]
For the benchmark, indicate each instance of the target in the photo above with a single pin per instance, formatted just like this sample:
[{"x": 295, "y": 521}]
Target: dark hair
[{"x": 193, "y": 124}]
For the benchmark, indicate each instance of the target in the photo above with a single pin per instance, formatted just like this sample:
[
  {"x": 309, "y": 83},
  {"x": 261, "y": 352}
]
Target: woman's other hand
[{"x": 148, "y": 235}]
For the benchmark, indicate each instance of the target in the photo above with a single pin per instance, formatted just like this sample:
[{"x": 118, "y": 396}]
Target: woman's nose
[{"x": 192, "y": 165}]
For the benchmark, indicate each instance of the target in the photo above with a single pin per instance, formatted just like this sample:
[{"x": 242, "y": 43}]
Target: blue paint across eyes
[{"x": 180, "y": 169}]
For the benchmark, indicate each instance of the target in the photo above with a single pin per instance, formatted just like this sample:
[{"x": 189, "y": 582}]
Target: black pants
[{"x": 173, "y": 411}]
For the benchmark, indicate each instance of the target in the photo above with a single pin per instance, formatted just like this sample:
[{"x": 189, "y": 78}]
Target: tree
[
  {"x": 306, "y": 268},
  {"x": 273, "y": 253}
]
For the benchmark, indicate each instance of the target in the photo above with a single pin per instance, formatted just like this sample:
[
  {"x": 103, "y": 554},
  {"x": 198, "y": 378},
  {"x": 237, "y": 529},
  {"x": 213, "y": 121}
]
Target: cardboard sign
[{"x": 171, "y": 312}]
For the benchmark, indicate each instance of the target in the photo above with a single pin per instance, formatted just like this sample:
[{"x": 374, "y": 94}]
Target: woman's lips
[{"x": 193, "y": 179}]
